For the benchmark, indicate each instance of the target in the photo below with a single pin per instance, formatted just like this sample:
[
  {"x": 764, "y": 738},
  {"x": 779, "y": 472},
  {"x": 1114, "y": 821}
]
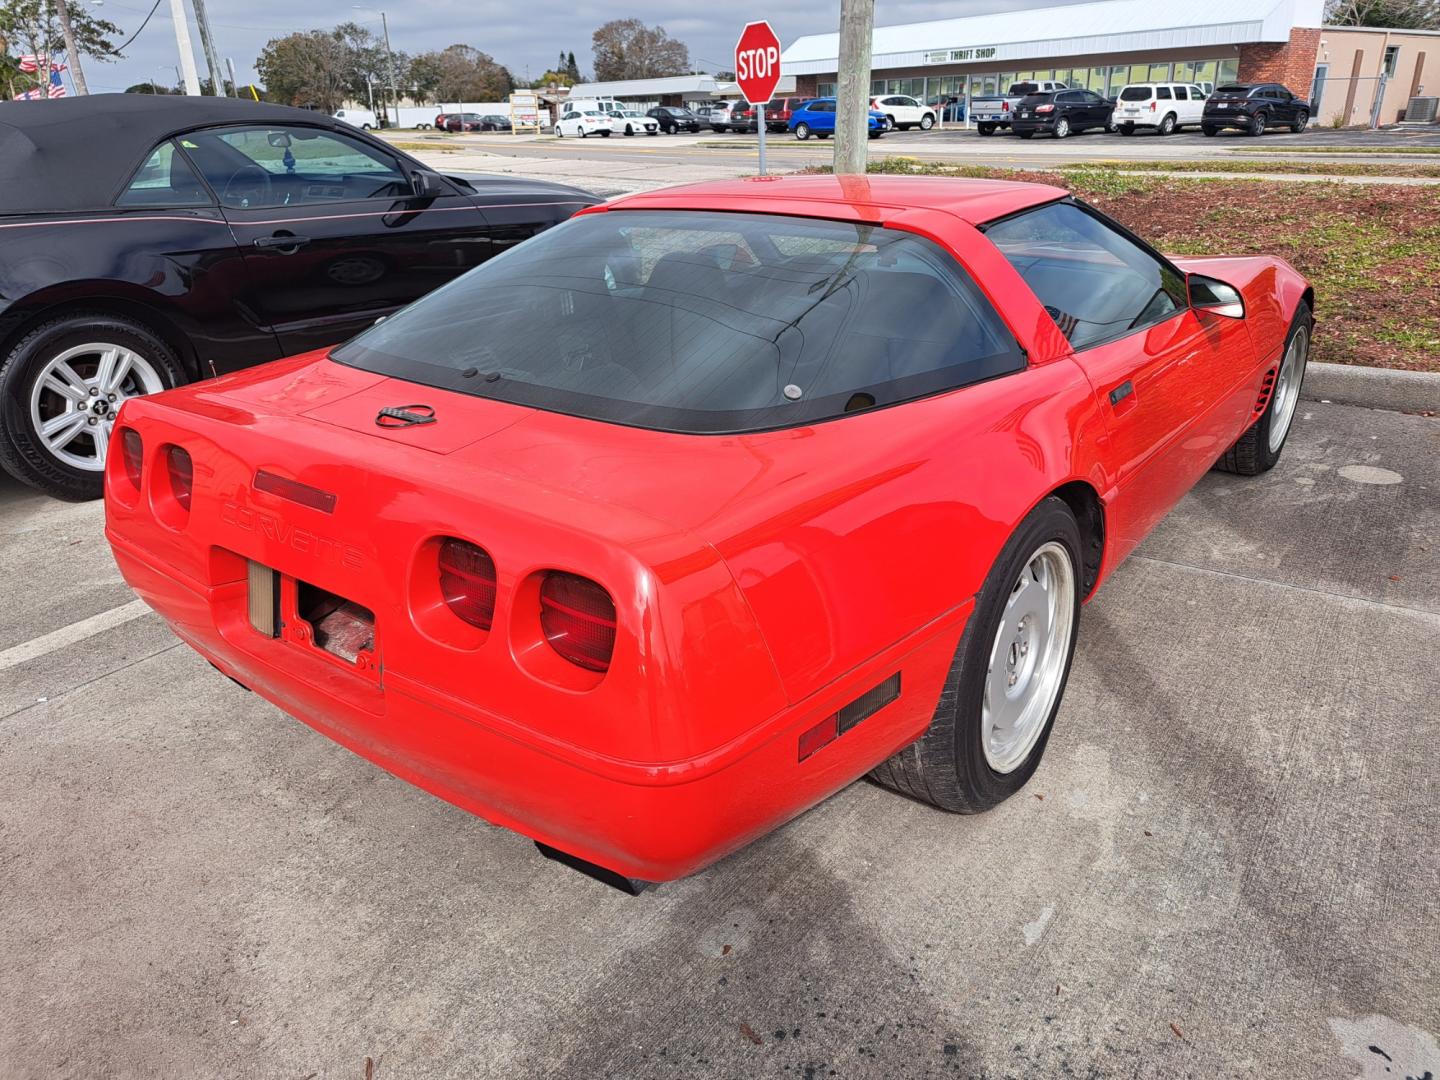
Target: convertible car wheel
[
  {"x": 1006, "y": 681},
  {"x": 60, "y": 389},
  {"x": 1259, "y": 448}
]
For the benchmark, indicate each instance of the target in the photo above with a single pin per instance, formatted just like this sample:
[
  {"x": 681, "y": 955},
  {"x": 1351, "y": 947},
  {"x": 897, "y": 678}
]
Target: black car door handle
[{"x": 281, "y": 240}]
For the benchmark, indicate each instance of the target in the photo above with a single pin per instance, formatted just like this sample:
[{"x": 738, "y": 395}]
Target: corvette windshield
[{"x": 700, "y": 322}]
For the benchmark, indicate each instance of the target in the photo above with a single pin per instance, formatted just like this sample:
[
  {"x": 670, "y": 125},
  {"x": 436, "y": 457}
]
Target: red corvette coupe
[{"x": 664, "y": 525}]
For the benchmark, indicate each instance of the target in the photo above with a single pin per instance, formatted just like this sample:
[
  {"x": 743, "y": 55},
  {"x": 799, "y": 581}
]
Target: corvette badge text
[{"x": 274, "y": 527}]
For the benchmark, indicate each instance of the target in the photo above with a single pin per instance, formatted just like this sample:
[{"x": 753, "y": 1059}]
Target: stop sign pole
[{"x": 757, "y": 71}]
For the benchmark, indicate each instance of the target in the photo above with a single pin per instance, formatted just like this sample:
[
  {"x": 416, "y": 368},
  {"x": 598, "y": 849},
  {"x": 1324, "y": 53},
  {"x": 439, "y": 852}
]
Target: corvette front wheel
[
  {"x": 1005, "y": 684},
  {"x": 1259, "y": 448}
]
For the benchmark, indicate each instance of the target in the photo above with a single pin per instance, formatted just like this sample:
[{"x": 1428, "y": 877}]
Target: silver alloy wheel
[
  {"x": 1062, "y": 128},
  {"x": 74, "y": 400},
  {"x": 1028, "y": 657},
  {"x": 1287, "y": 387}
]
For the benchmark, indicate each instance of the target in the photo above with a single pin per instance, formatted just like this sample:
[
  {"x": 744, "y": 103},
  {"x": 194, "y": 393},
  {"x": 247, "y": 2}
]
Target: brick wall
[
  {"x": 1291, "y": 63},
  {"x": 806, "y": 85}
]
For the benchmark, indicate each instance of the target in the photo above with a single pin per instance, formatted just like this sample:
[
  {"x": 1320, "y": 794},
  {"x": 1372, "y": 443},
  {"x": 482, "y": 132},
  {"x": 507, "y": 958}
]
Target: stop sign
[{"x": 757, "y": 62}]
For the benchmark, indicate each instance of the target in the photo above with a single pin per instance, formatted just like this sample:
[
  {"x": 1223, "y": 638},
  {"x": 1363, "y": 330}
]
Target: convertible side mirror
[
  {"x": 1216, "y": 297},
  {"x": 429, "y": 185}
]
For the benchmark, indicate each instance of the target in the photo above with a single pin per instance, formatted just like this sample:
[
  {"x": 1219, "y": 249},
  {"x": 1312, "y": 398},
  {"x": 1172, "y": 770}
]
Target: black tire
[
  {"x": 927, "y": 122},
  {"x": 1209, "y": 131},
  {"x": 719, "y": 129},
  {"x": 1256, "y": 127},
  {"x": 21, "y": 451},
  {"x": 1251, "y": 455},
  {"x": 1025, "y": 134},
  {"x": 605, "y": 134},
  {"x": 946, "y": 766},
  {"x": 802, "y": 131},
  {"x": 985, "y": 129},
  {"x": 1167, "y": 125},
  {"x": 1302, "y": 121},
  {"x": 822, "y": 134},
  {"x": 1127, "y": 129},
  {"x": 877, "y": 134},
  {"x": 584, "y": 134},
  {"x": 1062, "y": 127}
]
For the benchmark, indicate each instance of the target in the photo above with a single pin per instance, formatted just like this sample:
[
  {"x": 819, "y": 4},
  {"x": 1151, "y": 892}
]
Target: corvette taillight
[
  {"x": 467, "y": 582},
  {"x": 182, "y": 475},
  {"x": 577, "y": 617},
  {"x": 132, "y": 454}
]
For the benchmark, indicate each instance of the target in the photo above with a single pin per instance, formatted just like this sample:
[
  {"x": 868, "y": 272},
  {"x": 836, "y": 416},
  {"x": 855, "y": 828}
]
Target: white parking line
[{"x": 69, "y": 635}]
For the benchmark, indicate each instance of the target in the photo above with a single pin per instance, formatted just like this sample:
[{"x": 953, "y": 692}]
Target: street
[{"x": 1225, "y": 866}]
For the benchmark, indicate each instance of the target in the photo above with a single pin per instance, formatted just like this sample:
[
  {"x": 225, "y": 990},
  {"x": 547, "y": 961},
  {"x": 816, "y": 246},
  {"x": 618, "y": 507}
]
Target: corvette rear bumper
[{"x": 654, "y": 821}]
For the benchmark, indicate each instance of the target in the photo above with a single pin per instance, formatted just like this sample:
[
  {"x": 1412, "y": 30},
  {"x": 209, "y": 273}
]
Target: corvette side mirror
[{"x": 1216, "y": 297}]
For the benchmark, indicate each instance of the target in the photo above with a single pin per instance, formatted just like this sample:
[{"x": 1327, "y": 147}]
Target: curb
[{"x": 1374, "y": 388}]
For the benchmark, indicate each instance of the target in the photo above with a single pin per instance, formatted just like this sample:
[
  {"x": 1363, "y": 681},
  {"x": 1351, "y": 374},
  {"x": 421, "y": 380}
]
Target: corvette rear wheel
[
  {"x": 60, "y": 389},
  {"x": 1259, "y": 448},
  {"x": 1008, "y": 676}
]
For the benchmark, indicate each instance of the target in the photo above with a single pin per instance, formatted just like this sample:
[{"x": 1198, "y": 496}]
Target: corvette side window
[{"x": 1097, "y": 284}]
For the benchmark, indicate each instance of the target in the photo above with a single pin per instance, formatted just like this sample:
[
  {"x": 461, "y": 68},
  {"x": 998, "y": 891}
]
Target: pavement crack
[{"x": 1425, "y": 614}]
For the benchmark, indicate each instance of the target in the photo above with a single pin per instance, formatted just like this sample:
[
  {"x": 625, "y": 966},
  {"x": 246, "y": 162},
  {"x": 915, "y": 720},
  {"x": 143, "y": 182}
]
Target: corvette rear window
[{"x": 700, "y": 322}]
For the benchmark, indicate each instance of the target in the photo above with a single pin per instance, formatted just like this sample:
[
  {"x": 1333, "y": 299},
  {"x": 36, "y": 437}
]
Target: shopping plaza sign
[{"x": 757, "y": 62}]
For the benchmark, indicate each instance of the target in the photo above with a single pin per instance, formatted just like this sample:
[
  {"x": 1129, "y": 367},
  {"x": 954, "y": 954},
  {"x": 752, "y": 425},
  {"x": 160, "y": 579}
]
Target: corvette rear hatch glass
[{"x": 698, "y": 321}]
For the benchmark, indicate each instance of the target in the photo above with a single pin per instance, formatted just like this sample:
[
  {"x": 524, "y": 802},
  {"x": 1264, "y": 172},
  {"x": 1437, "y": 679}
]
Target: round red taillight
[
  {"x": 577, "y": 617},
  {"x": 132, "y": 455},
  {"x": 182, "y": 475},
  {"x": 467, "y": 582}
]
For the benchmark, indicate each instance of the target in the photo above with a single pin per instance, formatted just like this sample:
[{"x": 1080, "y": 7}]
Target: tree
[
  {"x": 1395, "y": 14},
  {"x": 152, "y": 88},
  {"x": 31, "y": 27},
  {"x": 460, "y": 73},
  {"x": 314, "y": 68},
  {"x": 572, "y": 69},
  {"x": 557, "y": 77},
  {"x": 628, "y": 49}
]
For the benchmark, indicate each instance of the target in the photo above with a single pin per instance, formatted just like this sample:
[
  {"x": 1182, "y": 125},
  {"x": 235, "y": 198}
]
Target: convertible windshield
[{"x": 700, "y": 322}]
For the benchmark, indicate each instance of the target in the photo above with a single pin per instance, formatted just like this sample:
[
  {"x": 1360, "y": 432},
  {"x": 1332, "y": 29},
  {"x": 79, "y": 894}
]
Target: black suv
[
  {"x": 1061, "y": 113},
  {"x": 1252, "y": 107},
  {"x": 673, "y": 119}
]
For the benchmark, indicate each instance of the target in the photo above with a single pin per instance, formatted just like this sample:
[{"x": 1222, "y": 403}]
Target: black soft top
[{"x": 76, "y": 153}]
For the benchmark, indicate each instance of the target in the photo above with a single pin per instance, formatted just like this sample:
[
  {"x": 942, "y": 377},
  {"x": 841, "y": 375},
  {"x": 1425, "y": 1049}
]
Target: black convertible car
[{"x": 147, "y": 241}]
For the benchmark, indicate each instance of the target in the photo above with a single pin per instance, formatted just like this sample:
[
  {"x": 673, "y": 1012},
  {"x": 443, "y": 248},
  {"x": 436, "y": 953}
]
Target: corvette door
[
  {"x": 1171, "y": 383},
  {"x": 332, "y": 231}
]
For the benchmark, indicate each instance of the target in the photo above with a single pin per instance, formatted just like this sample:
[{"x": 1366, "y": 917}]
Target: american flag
[
  {"x": 57, "y": 88},
  {"x": 32, "y": 64}
]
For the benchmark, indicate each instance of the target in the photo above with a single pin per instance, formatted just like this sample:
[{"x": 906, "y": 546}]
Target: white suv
[
  {"x": 904, "y": 112},
  {"x": 1166, "y": 107}
]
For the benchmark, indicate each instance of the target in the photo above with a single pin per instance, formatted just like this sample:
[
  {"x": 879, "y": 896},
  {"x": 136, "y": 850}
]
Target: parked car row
[
  {"x": 472, "y": 122},
  {"x": 1059, "y": 110}
]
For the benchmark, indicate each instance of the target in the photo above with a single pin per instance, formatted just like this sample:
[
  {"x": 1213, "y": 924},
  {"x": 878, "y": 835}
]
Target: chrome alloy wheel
[
  {"x": 74, "y": 400},
  {"x": 1028, "y": 658},
  {"x": 1287, "y": 387}
]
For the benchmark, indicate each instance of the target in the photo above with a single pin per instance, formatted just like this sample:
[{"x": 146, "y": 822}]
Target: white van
[
  {"x": 361, "y": 118},
  {"x": 1166, "y": 107}
]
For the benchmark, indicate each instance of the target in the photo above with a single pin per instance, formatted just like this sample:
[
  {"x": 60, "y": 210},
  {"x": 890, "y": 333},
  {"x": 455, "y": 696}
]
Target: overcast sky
[{"x": 525, "y": 39}]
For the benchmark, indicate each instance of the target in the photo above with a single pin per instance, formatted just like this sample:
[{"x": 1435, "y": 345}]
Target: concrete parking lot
[{"x": 1227, "y": 864}]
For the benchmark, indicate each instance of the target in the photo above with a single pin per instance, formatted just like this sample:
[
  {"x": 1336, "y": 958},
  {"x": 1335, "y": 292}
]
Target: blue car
[{"x": 817, "y": 117}]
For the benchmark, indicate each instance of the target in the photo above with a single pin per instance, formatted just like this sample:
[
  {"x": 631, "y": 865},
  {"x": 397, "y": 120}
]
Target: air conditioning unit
[{"x": 1422, "y": 110}]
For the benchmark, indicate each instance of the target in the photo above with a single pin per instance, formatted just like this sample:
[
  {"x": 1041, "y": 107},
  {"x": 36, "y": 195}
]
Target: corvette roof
[
  {"x": 75, "y": 153},
  {"x": 867, "y": 198}
]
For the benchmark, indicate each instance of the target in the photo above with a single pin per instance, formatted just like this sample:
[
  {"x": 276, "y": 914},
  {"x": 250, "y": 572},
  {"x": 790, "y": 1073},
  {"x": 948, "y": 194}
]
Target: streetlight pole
[{"x": 389, "y": 55}]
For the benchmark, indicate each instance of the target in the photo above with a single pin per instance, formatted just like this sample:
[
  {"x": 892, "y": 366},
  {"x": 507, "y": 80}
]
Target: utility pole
[
  {"x": 207, "y": 43},
  {"x": 390, "y": 62},
  {"x": 852, "y": 104},
  {"x": 62, "y": 13},
  {"x": 187, "y": 51}
]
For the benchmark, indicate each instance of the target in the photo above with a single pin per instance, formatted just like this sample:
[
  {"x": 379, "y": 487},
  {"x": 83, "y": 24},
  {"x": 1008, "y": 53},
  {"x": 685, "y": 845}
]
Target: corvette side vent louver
[{"x": 1266, "y": 389}]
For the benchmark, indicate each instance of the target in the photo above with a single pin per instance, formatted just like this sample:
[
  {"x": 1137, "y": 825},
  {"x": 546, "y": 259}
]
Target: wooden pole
[{"x": 852, "y": 105}]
